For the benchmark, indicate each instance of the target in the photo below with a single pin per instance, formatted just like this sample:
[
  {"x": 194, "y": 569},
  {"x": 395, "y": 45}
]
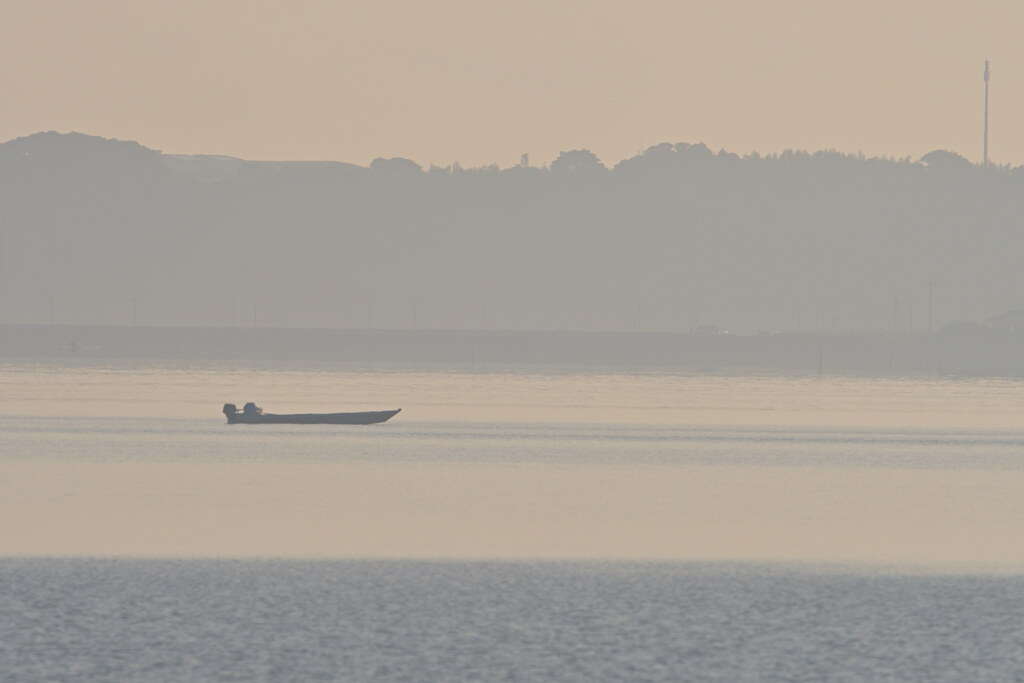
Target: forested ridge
[{"x": 674, "y": 239}]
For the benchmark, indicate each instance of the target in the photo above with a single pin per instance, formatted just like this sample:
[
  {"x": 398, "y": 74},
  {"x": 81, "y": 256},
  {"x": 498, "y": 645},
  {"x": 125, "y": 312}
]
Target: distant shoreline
[{"x": 987, "y": 355}]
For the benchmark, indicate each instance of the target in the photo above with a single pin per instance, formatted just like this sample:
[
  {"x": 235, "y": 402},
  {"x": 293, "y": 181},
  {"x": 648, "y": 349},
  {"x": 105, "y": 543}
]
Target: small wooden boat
[{"x": 253, "y": 415}]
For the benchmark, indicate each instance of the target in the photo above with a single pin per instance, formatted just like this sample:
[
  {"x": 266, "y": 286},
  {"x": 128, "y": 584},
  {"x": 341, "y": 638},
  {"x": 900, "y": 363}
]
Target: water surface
[
  {"x": 134, "y": 460},
  {"x": 527, "y": 525},
  {"x": 74, "y": 620}
]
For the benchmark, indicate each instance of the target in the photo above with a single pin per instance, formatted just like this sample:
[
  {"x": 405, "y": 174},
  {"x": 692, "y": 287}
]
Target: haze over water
[
  {"x": 524, "y": 524},
  {"x": 513, "y": 465}
]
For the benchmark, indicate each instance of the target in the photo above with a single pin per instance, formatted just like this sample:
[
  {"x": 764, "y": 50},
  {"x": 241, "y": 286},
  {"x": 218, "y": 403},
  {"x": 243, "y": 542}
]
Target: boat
[{"x": 252, "y": 414}]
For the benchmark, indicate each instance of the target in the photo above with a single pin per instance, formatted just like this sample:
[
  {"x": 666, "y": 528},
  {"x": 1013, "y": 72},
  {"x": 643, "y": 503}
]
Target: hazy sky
[{"x": 483, "y": 81}]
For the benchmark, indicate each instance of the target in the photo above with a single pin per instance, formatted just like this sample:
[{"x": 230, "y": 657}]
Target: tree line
[{"x": 676, "y": 238}]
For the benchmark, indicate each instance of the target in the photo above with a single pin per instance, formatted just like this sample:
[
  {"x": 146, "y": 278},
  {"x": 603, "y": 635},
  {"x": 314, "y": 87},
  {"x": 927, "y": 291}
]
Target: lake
[{"x": 525, "y": 524}]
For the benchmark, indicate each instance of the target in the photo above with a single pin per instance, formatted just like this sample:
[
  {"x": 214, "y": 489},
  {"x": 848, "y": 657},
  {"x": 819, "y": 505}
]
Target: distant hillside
[
  {"x": 992, "y": 354},
  {"x": 96, "y": 231},
  {"x": 207, "y": 168}
]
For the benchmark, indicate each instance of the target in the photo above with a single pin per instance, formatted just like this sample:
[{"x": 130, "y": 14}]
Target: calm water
[{"x": 508, "y": 525}]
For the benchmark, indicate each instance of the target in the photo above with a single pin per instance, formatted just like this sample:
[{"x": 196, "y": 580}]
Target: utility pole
[
  {"x": 931, "y": 290},
  {"x": 985, "y": 154}
]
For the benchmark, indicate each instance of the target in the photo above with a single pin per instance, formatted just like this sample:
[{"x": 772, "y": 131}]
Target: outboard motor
[{"x": 230, "y": 409}]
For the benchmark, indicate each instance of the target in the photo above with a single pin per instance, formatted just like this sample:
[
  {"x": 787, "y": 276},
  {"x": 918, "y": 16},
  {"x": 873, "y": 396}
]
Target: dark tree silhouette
[
  {"x": 670, "y": 239},
  {"x": 578, "y": 162}
]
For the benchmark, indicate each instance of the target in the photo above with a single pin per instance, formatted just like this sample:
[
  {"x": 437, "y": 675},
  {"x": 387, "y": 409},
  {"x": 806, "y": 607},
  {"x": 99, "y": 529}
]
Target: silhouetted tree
[
  {"x": 578, "y": 162},
  {"x": 396, "y": 167},
  {"x": 941, "y": 159}
]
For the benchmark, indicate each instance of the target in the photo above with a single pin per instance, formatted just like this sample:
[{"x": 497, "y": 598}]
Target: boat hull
[{"x": 367, "y": 418}]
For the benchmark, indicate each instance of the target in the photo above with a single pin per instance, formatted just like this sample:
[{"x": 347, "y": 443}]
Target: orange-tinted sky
[{"x": 483, "y": 81}]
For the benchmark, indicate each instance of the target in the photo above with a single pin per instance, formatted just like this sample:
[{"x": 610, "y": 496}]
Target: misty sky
[{"x": 481, "y": 81}]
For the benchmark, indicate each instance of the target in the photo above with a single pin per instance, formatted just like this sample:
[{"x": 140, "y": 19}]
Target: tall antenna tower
[{"x": 985, "y": 156}]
